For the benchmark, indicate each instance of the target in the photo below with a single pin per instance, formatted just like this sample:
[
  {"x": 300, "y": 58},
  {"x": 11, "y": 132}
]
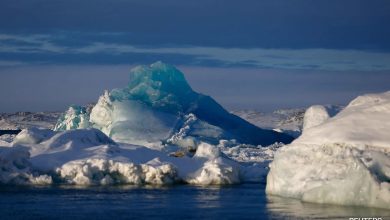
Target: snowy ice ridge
[
  {"x": 343, "y": 159},
  {"x": 89, "y": 157}
]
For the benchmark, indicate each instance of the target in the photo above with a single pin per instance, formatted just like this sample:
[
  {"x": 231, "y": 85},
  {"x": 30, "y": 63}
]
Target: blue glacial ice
[
  {"x": 76, "y": 117},
  {"x": 159, "y": 107}
]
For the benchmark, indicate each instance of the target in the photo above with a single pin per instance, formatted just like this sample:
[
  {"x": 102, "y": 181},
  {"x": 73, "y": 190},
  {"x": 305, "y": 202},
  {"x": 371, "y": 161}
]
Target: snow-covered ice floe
[
  {"x": 342, "y": 160},
  {"x": 89, "y": 157}
]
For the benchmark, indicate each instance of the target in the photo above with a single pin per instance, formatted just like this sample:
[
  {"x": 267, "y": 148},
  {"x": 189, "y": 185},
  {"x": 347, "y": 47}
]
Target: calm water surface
[{"x": 247, "y": 201}]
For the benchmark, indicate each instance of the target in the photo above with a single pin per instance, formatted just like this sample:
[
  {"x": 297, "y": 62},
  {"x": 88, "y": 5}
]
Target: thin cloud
[
  {"x": 38, "y": 43},
  {"x": 312, "y": 58}
]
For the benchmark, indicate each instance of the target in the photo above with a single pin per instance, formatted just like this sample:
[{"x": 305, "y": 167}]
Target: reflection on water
[
  {"x": 292, "y": 208},
  {"x": 246, "y": 201},
  {"x": 208, "y": 197}
]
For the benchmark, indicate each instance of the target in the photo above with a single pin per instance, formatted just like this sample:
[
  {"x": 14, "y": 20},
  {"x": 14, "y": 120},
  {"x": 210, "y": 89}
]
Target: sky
[{"x": 254, "y": 54}]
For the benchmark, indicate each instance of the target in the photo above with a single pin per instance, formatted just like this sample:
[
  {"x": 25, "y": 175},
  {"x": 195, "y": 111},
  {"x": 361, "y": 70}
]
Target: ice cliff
[{"x": 343, "y": 159}]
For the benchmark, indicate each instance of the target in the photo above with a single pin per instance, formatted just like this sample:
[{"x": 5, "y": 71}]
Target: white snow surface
[
  {"x": 344, "y": 160},
  {"x": 89, "y": 157},
  {"x": 314, "y": 116},
  {"x": 365, "y": 121},
  {"x": 32, "y": 136},
  {"x": 318, "y": 114}
]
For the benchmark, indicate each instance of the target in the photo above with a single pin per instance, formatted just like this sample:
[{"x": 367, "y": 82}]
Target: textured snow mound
[
  {"x": 216, "y": 170},
  {"x": 80, "y": 139},
  {"x": 156, "y": 105},
  {"x": 314, "y": 116},
  {"x": 89, "y": 157},
  {"x": 32, "y": 136},
  {"x": 104, "y": 172},
  {"x": 318, "y": 114},
  {"x": 345, "y": 160},
  {"x": 15, "y": 167},
  {"x": 207, "y": 151},
  {"x": 365, "y": 121}
]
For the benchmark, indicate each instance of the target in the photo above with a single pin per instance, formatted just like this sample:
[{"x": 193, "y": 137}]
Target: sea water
[{"x": 246, "y": 201}]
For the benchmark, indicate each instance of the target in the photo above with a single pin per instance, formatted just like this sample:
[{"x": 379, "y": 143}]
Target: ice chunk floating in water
[
  {"x": 156, "y": 105},
  {"x": 342, "y": 160},
  {"x": 89, "y": 157}
]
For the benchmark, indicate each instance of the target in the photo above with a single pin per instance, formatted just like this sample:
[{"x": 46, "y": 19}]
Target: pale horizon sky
[{"x": 54, "y": 88}]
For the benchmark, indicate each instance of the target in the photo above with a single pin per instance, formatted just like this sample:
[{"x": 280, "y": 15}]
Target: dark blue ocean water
[{"x": 247, "y": 201}]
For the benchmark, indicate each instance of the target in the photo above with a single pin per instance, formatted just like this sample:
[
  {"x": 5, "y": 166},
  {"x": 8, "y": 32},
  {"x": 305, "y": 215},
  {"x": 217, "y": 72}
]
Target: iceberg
[
  {"x": 342, "y": 160},
  {"x": 157, "y": 130},
  {"x": 159, "y": 107},
  {"x": 89, "y": 157}
]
